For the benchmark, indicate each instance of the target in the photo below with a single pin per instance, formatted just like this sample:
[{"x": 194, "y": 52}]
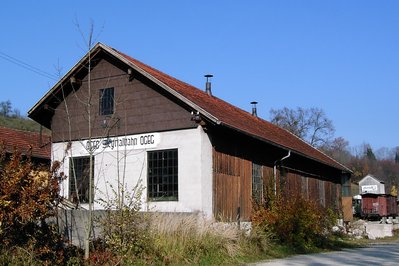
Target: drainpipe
[{"x": 275, "y": 170}]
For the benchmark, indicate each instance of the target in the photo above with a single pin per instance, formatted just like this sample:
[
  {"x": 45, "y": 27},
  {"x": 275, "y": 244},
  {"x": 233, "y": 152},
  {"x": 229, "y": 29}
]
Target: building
[
  {"x": 371, "y": 185},
  {"x": 33, "y": 144},
  {"x": 192, "y": 151},
  {"x": 375, "y": 202}
]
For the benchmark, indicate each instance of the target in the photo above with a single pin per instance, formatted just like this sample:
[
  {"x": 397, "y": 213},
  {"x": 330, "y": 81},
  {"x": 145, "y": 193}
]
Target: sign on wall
[
  {"x": 123, "y": 143},
  {"x": 369, "y": 188}
]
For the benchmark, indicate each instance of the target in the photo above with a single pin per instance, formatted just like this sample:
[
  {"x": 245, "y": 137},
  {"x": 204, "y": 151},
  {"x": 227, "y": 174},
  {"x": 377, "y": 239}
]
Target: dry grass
[{"x": 191, "y": 238}]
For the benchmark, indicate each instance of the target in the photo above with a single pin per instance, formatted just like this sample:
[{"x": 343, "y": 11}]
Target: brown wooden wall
[
  {"x": 139, "y": 107},
  {"x": 232, "y": 187},
  {"x": 325, "y": 192},
  {"x": 232, "y": 167}
]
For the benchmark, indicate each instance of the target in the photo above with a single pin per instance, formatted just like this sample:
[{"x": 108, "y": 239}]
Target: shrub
[
  {"x": 124, "y": 228},
  {"x": 298, "y": 222},
  {"x": 18, "y": 257},
  {"x": 27, "y": 198}
]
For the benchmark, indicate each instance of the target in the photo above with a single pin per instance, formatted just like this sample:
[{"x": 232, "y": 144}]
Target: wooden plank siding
[
  {"x": 139, "y": 107},
  {"x": 322, "y": 191},
  {"x": 232, "y": 186}
]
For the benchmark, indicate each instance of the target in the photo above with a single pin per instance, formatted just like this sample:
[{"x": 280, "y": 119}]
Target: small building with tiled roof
[
  {"x": 33, "y": 144},
  {"x": 192, "y": 151}
]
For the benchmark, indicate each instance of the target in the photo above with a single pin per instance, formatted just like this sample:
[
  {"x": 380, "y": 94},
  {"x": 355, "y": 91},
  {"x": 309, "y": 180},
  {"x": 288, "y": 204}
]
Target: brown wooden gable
[{"x": 140, "y": 106}]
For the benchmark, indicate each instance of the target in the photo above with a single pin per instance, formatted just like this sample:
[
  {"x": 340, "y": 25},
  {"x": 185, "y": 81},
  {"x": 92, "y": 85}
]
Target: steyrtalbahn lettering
[{"x": 143, "y": 141}]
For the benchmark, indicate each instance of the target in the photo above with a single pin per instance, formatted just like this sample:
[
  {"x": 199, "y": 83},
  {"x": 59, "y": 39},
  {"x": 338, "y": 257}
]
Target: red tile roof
[
  {"x": 237, "y": 118},
  {"x": 26, "y": 142}
]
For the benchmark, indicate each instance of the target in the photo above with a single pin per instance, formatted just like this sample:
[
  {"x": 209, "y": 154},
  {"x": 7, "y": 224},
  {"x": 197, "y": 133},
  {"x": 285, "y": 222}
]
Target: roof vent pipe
[
  {"x": 254, "y": 111},
  {"x": 208, "y": 89}
]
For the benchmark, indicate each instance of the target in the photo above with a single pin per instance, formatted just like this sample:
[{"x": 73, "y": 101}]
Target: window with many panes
[
  {"x": 79, "y": 182},
  {"x": 107, "y": 101},
  {"x": 257, "y": 183},
  {"x": 162, "y": 175}
]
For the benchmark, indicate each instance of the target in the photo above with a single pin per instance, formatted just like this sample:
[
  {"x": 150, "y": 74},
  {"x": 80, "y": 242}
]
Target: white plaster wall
[
  {"x": 194, "y": 170},
  {"x": 207, "y": 174}
]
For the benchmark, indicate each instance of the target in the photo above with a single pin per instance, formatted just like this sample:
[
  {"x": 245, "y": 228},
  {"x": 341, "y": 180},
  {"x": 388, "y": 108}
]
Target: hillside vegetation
[
  {"x": 11, "y": 118},
  {"x": 20, "y": 123}
]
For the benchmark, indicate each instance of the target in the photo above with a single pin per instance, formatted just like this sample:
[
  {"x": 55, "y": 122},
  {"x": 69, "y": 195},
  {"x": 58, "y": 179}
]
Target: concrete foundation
[{"x": 384, "y": 228}]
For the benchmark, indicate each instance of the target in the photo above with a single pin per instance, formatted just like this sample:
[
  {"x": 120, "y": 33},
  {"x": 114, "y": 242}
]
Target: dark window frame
[
  {"x": 346, "y": 186},
  {"x": 106, "y": 103},
  {"x": 162, "y": 175},
  {"x": 79, "y": 168},
  {"x": 257, "y": 183}
]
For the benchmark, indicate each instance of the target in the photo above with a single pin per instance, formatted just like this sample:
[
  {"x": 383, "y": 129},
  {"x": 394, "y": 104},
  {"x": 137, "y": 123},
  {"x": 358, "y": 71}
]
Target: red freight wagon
[{"x": 378, "y": 205}]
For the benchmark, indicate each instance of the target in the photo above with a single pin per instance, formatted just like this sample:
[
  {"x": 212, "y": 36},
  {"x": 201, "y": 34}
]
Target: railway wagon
[{"x": 378, "y": 205}]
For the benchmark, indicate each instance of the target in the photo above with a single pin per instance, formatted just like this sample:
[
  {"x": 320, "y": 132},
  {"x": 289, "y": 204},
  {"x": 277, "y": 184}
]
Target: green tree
[{"x": 370, "y": 154}]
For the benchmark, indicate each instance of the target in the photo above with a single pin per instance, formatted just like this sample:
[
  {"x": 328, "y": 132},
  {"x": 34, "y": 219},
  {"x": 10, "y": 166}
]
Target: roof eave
[
  {"x": 63, "y": 80},
  {"x": 342, "y": 167},
  {"x": 111, "y": 51},
  {"x": 161, "y": 84}
]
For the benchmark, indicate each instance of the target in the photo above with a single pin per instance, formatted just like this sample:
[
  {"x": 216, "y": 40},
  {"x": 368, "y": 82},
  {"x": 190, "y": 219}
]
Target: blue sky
[{"x": 341, "y": 56}]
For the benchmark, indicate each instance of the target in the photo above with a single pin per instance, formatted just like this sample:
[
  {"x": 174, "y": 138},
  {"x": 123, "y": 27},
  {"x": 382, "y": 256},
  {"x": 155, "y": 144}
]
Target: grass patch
[
  {"x": 18, "y": 257},
  {"x": 21, "y": 123},
  {"x": 185, "y": 238}
]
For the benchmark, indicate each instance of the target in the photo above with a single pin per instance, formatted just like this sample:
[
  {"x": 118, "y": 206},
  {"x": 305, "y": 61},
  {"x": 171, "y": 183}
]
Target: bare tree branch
[{"x": 311, "y": 125}]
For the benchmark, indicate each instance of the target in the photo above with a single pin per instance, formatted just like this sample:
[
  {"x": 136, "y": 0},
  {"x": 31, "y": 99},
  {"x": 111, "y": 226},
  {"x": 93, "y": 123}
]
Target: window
[
  {"x": 346, "y": 186},
  {"x": 162, "y": 175},
  {"x": 79, "y": 172},
  {"x": 257, "y": 183},
  {"x": 107, "y": 101}
]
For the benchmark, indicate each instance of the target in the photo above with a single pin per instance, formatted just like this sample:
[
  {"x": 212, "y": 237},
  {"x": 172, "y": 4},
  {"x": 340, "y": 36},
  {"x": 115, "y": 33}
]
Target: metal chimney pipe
[
  {"x": 254, "y": 110},
  {"x": 208, "y": 86}
]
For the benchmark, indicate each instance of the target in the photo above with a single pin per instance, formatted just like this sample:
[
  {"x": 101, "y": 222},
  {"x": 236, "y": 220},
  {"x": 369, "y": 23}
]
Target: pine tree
[{"x": 370, "y": 154}]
